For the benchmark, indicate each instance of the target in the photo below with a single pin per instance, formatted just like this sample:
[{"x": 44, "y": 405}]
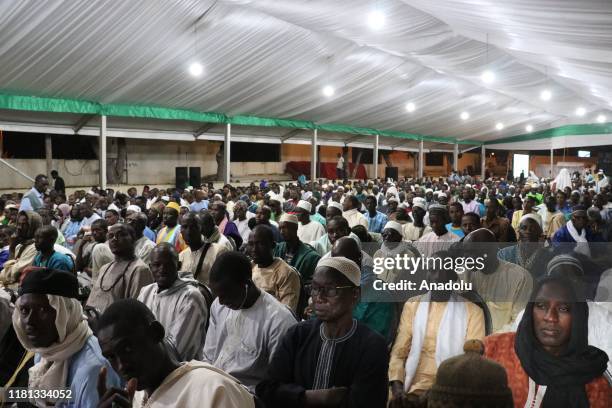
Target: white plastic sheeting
[{"x": 272, "y": 58}]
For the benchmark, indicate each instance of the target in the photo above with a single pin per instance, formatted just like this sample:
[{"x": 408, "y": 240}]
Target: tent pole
[
  {"x": 421, "y": 158},
  {"x": 483, "y": 161},
  {"x": 375, "y": 157},
  {"x": 313, "y": 159},
  {"x": 102, "y": 152},
  {"x": 551, "y": 162},
  {"x": 226, "y": 153},
  {"x": 456, "y": 157},
  {"x": 49, "y": 155}
]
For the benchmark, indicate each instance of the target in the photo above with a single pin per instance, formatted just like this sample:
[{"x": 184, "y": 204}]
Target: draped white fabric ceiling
[{"x": 273, "y": 57}]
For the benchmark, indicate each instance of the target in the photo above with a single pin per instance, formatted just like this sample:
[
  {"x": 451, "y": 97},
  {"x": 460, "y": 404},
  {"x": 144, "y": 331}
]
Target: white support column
[
  {"x": 313, "y": 156},
  {"x": 226, "y": 153},
  {"x": 102, "y": 152},
  {"x": 552, "y": 163},
  {"x": 483, "y": 161},
  {"x": 49, "y": 155},
  {"x": 421, "y": 159},
  {"x": 456, "y": 157},
  {"x": 375, "y": 157}
]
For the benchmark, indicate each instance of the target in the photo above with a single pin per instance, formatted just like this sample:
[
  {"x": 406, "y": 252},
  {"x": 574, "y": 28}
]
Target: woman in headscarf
[
  {"x": 548, "y": 360},
  {"x": 23, "y": 253}
]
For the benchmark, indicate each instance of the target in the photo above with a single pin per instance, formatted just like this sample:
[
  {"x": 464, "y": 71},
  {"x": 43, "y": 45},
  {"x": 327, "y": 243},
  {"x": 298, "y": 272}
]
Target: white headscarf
[{"x": 51, "y": 372}]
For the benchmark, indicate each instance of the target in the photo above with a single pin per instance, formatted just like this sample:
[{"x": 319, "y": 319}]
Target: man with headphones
[{"x": 246, "y": 323}]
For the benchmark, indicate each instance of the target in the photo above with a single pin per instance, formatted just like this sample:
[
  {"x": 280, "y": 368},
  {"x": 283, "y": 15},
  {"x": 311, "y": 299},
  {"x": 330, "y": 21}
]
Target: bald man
[{"x": 504, "y": 286}]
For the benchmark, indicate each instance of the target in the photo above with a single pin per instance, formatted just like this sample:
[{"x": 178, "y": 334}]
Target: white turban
[
  {"x": 288, "y": 218},
  {"x": 343, "y": 265},
  {"x": 395, "y": 226},
  {"x": 305, "y": 205},
  {"x": 334, "y": 204}
]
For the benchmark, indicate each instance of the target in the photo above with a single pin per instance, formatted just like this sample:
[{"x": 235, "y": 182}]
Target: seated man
[
  {"x": 226, "y": 227},
  {"x": 25, "y": 250},
  {"x": 171, "y": 232},
  {"x": 294, "y": 251},
  {"x": 95, "y": 237},
  {"x": 199, "y": 256},
  {"x": 504, "y": 286},
  {"x": 470, "y": 222},
  {"x": 125, "y": 276},
  {"x": 143, "y": 245},
  {"x": 176, "y": 303},
  {"x": 48, "y": 320},
  {"x": 337, "y": 227},
  {"x": 47, "y": 257},
  {"x": 133, "y": 341},
  {"x": 246, "y": 324},
  {"x": 439, "y": 239},
  {"x": 392, "y": 247},
  {"x": 351, "y": 207},
  {"x": 548, "y": 360},
  {"x": 413, "y": 231},
  {"x": 308, "y": 230},
  {"x": 576, "y": 234},
  {"x": 211, "y": 233},
  {"x": 455, "y": 212},
  {"x": 273, "y": 275},
  {"x": 500, "y": 226},
  {"x": 433, "y": 328},
  {"x": 331, "y": 361}
]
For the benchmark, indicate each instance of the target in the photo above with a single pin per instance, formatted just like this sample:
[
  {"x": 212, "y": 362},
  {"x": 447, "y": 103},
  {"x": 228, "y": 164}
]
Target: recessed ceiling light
[
  {"x": 465, "y": 115},
  {"x": 545, "y": 95},
  {"x": 376, "y": 20},
  {"x": 410, "y": 107},
  {"x": 196, "y": 69},
  {"x": 529, "y": 128},
  {"x": 329, "y": 91},
  {"x": 601, "y": 118},
  {"x": 499, "y": 126},
  {"x": 580, "y": 111}
]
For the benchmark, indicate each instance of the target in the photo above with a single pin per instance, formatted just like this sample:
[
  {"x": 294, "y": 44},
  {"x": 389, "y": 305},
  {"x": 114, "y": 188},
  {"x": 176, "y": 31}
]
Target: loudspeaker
[
  {"x": 391, "y": 172},
  {"x": 195, "y": 178},
  {"x": 181, "y": 177}
]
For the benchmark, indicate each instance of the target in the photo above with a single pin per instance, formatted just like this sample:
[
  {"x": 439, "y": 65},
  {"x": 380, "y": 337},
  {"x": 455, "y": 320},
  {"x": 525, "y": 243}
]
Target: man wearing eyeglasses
[
  {"x": 332, "y": 360},
  {"x": 125, "y": 276}
]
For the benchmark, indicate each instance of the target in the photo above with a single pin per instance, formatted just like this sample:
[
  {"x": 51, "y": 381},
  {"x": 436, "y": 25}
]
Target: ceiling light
[
  {"x": 545, "y": 95},
  {"x": 465, "y": 115},
  {"x": 529, "y": 128},
  {"x": 601, "y": 118},
  {"x": 376, "y": 20},
  {"x": 488, "y": 77},
  {"x": 196, "y": 69},
  {"x": 580, "y": 111},
  {"x": 410, "y": 107},
  {"x": 329, "y": 91},
  {"x": 499, "y": 126}
]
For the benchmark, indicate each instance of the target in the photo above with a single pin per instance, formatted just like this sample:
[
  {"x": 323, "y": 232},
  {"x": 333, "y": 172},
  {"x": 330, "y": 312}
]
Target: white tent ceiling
[{"x": 271, "y": 58}]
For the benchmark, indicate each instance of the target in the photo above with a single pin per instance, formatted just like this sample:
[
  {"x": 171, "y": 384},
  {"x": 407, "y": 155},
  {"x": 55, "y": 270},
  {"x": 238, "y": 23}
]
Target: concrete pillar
[
  {"x": 456, "y": 157},
  {"x": 483, "y": 161},
  {"x": 375, "y": 157},
  {"x": 226, "y": 153},
  {"x": 313, "y": 156},
  {"x": 102, "y": 153},
  {"x": 49, "y": 155},
  {"x": 421, "y": 159}
]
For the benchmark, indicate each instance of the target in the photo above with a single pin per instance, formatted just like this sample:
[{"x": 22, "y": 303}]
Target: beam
[
  {"x": 313, "y": 156},
  {"x": 102, "y": 153},
  {"x": 483, "y": 161},
  {"x": 226, "y": 153},
  {"x": 16, "y": 170},
  {"x": 48, "y": 155},
  {"x": 81, "y": 123},
  {"x": 375, "y": 157},
  {"x": 289, "y": 135},
  {"x": 469, "y": 148},
  {"x": 421, "y": 159},
  {"x": 203, "y": 129}
]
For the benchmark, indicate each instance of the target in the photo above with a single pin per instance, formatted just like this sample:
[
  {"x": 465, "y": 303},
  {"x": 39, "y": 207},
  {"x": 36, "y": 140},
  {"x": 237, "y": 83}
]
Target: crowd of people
[{"x": 266, "y": 295}]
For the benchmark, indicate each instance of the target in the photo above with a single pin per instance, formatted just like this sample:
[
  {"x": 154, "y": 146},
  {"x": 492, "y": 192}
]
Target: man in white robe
[{"x": 308, "y": 230}]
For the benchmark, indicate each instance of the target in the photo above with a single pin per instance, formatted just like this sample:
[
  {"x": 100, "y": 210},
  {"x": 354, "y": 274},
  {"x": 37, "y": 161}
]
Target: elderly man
[
  {"x": 292, "y": 250},
  {"x": 433, "y": 328},
  {"x": 246, "y": 323},
  {"x": 439, "y": 239},
  {"x": 413, "y": 231},
  {"x": 34, "y": 199},
  {"x": 25, "y": 250},
  {"x": 333, "y": 360},
  {"x": 308, "y": 230},
  {"x": 199, "y": 256},
  {"x": 271, "y": 274},
  {"x": 48, "y": 320},
  {"x": 47, "y": 257},
  {"x": 504, "y": 286},
  {"x": 171, "y": 232},
  {"x": 376, "y": 219},
  {"x": 241, "y": 219},
  {"x": 125, "y": 276},
  {"x": 392, "y": 247},
  {"x": 143, "y": 245},
  {"x": 176, "y": 303},
  {"x": 222, "y": 221},
  {"x": 576, "y": 234},
  {"x": 149, "y": 366},
  {"x": 351, "y": 212}
]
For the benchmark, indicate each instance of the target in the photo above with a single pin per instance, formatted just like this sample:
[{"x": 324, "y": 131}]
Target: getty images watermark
[{"x": 402, "y": 264}]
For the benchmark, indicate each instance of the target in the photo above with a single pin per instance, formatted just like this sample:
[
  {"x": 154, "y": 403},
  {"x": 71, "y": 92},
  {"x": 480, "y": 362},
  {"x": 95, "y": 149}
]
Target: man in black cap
[{"x": 49, "y": 323}]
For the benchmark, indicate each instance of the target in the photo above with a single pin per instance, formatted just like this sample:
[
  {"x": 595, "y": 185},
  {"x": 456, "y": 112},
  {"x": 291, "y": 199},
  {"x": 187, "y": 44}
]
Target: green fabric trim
[
  {"x": 246, "y": 120},
  {"x": 41, "y": 104},
  {"x": 567, "y": 130},
  {"x": 154, "y": 112},
  {"x": 339, "y": 128}
]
